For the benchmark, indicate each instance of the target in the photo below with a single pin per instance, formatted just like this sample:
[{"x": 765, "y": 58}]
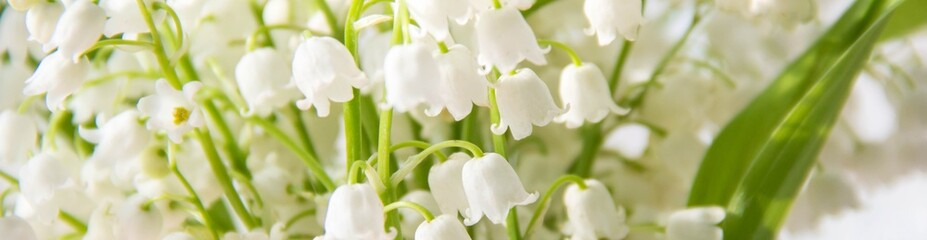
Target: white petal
[
  {"x": 505, "y": 39},
  {"x": 585, "y": 90},
  {"x": 79, "y": 28},
  {"x": 492, "y": 188},
  {"x": 442, "y": 227},
  {"x": 445, "y": 181},
  {"x": 695, "y": 224},
  {"x": 629, "y": 140},
  {"x": 412, "y": 78},
  {"x": 523, "y": 100},
  {"x": 324, "y": 71},
  {"x": 592, "y": 212}
]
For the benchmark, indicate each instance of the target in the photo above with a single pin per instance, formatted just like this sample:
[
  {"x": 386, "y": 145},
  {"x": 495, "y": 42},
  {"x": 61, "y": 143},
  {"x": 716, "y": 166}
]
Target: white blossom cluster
[{"x": 274, "y": 119}]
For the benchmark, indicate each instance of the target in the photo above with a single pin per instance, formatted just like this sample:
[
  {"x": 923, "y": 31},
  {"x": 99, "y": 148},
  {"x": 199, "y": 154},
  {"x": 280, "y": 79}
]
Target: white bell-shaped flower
[
  {"x": 695, "y": 224},
  {"x": 264, "y": 81},
  {"x": 18, "y": 139},
  {"x": 14, "y": 227},
  {"x": 505, "y": 39},
  {"x": 13, "y": 35},
  {"x": 171, "y": 110},
  {"x": 124, "y": 17},
  {"x": 412, "y": 78},
  {"x": 79, "y": 28},
  {"x": 325, "y": 71},
  {"x": 608, "y": 18},
  {"x": 446, "y": 183},
  {"x": 584, "y": 93},
  {"x": 137, "y": 220},
  {"x": 355, "y": 212},
  {"x": 493, "y": 188},
  {"x": 461, "y": 84},
  {"x": 23, "y": 5},
  {"x": 432, "y": 15},
  {"x": 869, "y": 113},
  {"x": 411, "y": 218},
  {"x": 44, "y": 174},
  {"x": 58, "y": 77},
  {"x": 120, "y": 141},
  {"x": 444, "y": 227},
  {"x": 41, "y": 21},
  {"x": 630, "y": 140},
  {"x": 593, "y": 214},
  {"x": 523, "y": 100},
  {"x": 483, "y": 5}
]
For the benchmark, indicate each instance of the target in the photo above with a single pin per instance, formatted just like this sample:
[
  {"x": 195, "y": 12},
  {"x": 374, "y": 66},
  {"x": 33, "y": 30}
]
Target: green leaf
[
  {"x": 909, "y": 17},
  {"x": 758, "y": 163}
]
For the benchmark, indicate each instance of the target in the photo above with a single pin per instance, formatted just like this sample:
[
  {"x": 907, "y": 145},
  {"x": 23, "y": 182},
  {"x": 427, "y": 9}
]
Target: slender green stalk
[
  {"x": 386, "y": 122},
  {"x": 236, "y": 153},
  {"x": 257, "y": 10},
  {"x": 496, "y": 4},
  {"x": 194, "y": 197},
  {"x": 72, "y": 221},
  {"x": 314, "y": 166},
  {"x": 160, "y": 54},
  {"x": 9, "y": 179},
  {"x": 498, "y": 141},
  {"x": 414, "y": 206},
  {"x": 573, "y": 56},
  {"x": 58, "y": 120},
  {"x": 613, "y": 80},
  {"x": 352, "y": 125},
  {"x": 330, "y": 18},
  {"x": 545, "y": 200},
  {"x": 225, "y": 181},
  {"x": 638, "y": 100},
  {"x": 118, "y": 42},
  {"x": 417, "y": 144},
  {"x": 302, "y": 131},
  {"x": 289, "y": 223},
  {"x": 178, "y": 27},
  {"x": 418, "y": 158}
]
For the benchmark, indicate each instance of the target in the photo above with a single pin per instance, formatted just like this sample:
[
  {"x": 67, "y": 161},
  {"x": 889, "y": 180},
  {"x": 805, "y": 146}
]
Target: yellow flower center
[{"x": 181, "y": 115}]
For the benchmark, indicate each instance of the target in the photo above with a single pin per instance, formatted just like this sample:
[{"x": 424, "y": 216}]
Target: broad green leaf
[
  {"x": 762, "y": 157},
  {"x": 909, "y": 17}
]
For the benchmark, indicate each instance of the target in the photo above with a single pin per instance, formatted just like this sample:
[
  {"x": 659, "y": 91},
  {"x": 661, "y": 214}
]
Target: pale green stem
[
  {"x": 383, "y": 145},
  {"x": 416, "y": 159},
  {"x": 314, "y": 166},
  {"x": 195, "y": 198},
  {"x": 160, "y": 55},
  {"x": 72, "y": 221},
  {"x": 118, "y": 42},
  {"x": 178, "y": 26},
  {"x": 542, "y": 205},
  {"x": 565, "y": 48},
  {"x": 225, "y": 181},
  {"x": 416, "y": 144},
  {"x": 414, "y": 206}
]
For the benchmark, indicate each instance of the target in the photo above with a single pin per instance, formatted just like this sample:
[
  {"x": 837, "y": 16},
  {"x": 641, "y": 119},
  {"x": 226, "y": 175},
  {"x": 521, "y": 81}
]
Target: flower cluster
[{"x": 276, "y": 119}]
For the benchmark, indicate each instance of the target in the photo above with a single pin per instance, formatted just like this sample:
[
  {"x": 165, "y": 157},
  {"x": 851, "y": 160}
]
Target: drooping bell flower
[
  {"x": 137, "y": 220},
  {"x": 13, "y": 35},
  {"x": 79, "y": 27},
  {"x": 57, "y": 76},
  {"x": 630, "y": 140},
  {"x": 18, "y": 139},
  {"x": 446, "y": 183},
  {"x": 593, "y": 214},
  {"x": 263, "y": 78},
  {"x": 585, "y": 94},
  {"x": 505, "y": 39},
  {"x": 124, "y": 17},
  {"x": 493, "y": 188},
  {"x": 412, "y": 78},
  {"x": 325, "y": 72},
  {"x": 695, "y": 224},
  {"x": 432, "y": 15},
  {"x": 444, "y": 227},
  {"x": 523, "y": 100},
  {"x": 608, "y": 18},
  {"x": 173, "y": 111},
  {"x": 461, "y": 84},
  {"x": 355, "y": 212},
  {"x": 41, "y": 21}
]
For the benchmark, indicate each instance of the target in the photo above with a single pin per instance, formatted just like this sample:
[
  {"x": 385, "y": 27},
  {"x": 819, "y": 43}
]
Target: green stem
[
  {"x": 257, "y": 10},
  {"x": 159, "y": 52},
  {"x": 225, "y": 181},
  {"x": 331, "y": 19},
  {"x": 414, "y": 206},
  {"x": 619, "y": 65},
  {"x": 537, "y": 6},
  {"x": 352, "y": 124},
  {"x": 117, "y": 42},
  {"x": 418, "y": 158},
  {"x": 498, "y": 141},
  {"x": 58, "y": 120},
  {"x": 564, "y": 47},
  {"x": 72, "y": 221},
  {"x": 314, "y": 166},
  {"x": 386, "y": 123},
  {"x": 542, "y": 206},
  {"x": 302, "y": 131},
  {"x": 238, "y": 156},
  {"x": 496, "y": 4},
  {"x": 638, "y": 100},
  {"x": 195, "y": 198},
  {"x": 10, "y": 179},
  {"x": 355, "y": 169},
  {"x": 370, "y": 3},
  {"x": 178, "y": 27},
  {"x": 416, "y": 144},
  {"x": 128, "y": 74},
  {"x": 289, "y": 223}
]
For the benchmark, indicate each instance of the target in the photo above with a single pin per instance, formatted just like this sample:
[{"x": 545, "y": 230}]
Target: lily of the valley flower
[
  {"x": 505, "y": 39},
  {"x": 442, "y": 227},
  {"x": 58, "y": 77},
  {"x": 608, "y": 18},
  {"x": 412, "y": 78},
  {"x": 492, "y": 188},
  {"x": 263, "y": 78},
  {"x": 171, "y": 110},
  {"x": 593, "y": 214},
  {"x": 325, "y": 72},
  {"x": 432, "y": 15},
  {"x": 18, "y": 140},
  {"x": 446, "y": 183},
  {"x": 461, "y": 84},
  {"x": 523, "y": 100},
  {"x": 41, "y": 21},
  {"x": 135, "y": 219},
  {"x": 78, "y": 29},
  {"x": 695, "y": 224},
  {"x": 585, "y": 94},
  {"x": 355, "y": 212}
]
